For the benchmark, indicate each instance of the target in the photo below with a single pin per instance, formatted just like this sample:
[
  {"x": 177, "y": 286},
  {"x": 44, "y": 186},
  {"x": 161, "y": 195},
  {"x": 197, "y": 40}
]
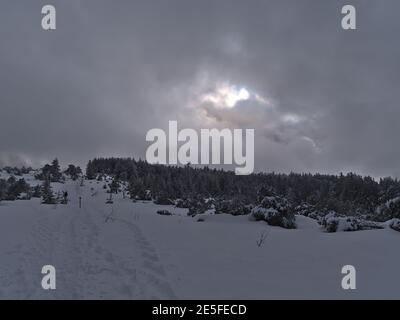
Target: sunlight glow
[{"x": 227, "y": 96}]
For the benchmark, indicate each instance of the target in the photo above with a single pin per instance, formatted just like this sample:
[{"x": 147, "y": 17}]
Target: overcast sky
[{"x": 320, "y": 99}]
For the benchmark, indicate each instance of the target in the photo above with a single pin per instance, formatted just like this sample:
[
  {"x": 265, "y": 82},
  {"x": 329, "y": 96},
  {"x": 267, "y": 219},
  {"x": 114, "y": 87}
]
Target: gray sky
[{"x": 321, "y": 99}]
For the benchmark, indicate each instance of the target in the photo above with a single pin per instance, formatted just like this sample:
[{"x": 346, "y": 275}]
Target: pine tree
[
  {"x": 47, "y": 193},
  {"x": 56, "y": 174},
  {"x": 90, "y": 171},
  {"x": 3, "y": 189},
  {"x": 73, "y": 172}
]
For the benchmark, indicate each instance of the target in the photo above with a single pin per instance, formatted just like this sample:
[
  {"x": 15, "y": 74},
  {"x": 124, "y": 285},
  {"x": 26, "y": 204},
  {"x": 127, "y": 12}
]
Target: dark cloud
[{"x": 113, "y": 70}]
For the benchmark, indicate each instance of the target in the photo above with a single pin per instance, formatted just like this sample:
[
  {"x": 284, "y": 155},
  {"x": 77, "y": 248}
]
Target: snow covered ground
[{"x": 127, "y": 251}]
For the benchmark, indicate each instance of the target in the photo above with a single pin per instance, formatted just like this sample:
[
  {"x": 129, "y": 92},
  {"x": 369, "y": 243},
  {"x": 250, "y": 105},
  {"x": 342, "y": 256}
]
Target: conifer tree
[{"x": 47, "y": 193}]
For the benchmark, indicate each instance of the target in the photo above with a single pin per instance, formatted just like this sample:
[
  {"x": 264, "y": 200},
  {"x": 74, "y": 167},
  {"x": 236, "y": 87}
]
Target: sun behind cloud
[{"x": 226, "y": 95}]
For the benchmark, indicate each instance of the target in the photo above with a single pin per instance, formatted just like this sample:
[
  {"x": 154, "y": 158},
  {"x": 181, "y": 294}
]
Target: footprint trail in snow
[{"x": 95, "y": 258}]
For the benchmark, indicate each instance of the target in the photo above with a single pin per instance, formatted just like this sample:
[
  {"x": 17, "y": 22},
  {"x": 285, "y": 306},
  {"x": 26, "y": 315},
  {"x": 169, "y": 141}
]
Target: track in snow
[{"x": 88, "y": 259}]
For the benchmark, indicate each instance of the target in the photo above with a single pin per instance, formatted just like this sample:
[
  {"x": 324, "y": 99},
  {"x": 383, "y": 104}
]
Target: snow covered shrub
[
  {"x": 234, "y": 207},
  {"x": 198, "y": 205},
  {"x": 164, "y": 213},
  {"x": 14, "y": 188},
  {"x": 163, "y": 199},
  {"x": 308, "y": 210},
  {"x": 330, "y": 222},
  {"x": 333, "y": 222},
  {"x": 389, "y": 210},
  {"x": 395, "y": 224},
  {"x": 24, "y": 196},
  {"x": 369, "y": 225},
  {"x": 182, "y": 203},
  {"x": 275, "y": 211}
]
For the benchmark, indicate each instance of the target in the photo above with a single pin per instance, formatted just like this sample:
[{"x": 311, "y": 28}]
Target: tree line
[
  {"x": 199, "y": 189},
  {"x": 346, "y": 194}
]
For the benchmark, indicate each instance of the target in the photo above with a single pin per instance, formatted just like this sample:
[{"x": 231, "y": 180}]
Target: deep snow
[{"x": 127, "y": 251}]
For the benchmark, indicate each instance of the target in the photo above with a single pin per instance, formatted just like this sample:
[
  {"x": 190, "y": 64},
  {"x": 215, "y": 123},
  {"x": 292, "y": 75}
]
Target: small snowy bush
[
  {"x": 308, "y": 210},
  {"x": 333, "y": 222},
  {"x": 164, "y": 213},
  {"x": 198, "y": 205},
  {"x": 234, "y": 207},
  {"x": 163, "y": 199},
  {"x": 389, "y": 210},
  {"x": 275, "y": 211},
  {"x": 395, "y": 224},
  {"x": 182, "y": 203}
]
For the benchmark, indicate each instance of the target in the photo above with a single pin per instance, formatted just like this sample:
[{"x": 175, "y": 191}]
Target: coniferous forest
[
  {"x": 346, "y": 194},
  {"x": 273, "y": 197}
]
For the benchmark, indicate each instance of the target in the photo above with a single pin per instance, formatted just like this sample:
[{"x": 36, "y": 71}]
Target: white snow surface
[{"x": 127, "y": 251}]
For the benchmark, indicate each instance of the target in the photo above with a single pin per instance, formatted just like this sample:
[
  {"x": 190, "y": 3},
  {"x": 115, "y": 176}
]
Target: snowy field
[{"x": 126, "y": 250}]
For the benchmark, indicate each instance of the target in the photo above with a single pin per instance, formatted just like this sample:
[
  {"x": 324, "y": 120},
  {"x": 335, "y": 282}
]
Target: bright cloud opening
[{"x": 226, "y": 96}]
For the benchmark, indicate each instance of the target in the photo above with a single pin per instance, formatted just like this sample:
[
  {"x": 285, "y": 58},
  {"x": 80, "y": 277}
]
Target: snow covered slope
[{"x": 127, "y": 251}]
